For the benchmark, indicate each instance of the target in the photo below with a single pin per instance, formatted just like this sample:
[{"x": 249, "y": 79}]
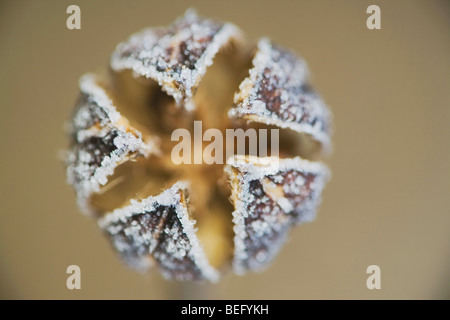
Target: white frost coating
[
  {"x": 251, "y": 166},
  {"x": 288, "y": 74},
  {"x": 285, "y": 204},
  {"x": 83, "y": 176},
  {"x": 244, "y": 169},
  {"x": 169, "y": 197},
  {"x": 149, "y": 54}
]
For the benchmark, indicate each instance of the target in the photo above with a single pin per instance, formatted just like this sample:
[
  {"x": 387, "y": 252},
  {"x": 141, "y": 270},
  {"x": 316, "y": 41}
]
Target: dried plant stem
[{"x": 192, "y": 291}]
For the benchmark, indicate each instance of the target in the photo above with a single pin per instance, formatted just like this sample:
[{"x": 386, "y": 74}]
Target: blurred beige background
[{"x": 388, "y": 202}]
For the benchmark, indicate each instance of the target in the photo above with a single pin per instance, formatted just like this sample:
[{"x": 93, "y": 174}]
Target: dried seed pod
[
  {"x": 119, "y": 161},
  {"x": 269, "y": 199}
]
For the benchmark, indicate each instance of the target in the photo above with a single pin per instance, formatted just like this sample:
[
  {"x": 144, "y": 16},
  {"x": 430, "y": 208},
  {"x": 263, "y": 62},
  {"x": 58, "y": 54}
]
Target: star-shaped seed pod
[{"x": 196, "y": 221}]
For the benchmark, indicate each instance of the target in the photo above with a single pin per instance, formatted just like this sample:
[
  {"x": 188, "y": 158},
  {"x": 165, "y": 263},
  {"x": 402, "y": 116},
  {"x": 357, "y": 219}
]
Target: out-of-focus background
[{"x": 388, "y": 202}]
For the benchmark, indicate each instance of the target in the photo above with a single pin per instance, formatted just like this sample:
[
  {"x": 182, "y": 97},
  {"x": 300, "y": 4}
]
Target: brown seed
[
  {"x": 176, "y": 57},
  {"x": 101, "y": 139},
  {"x": 276, "y": 93},
  {"x": 159, "y": 229},
  {"x": 269, "y": 200}
]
